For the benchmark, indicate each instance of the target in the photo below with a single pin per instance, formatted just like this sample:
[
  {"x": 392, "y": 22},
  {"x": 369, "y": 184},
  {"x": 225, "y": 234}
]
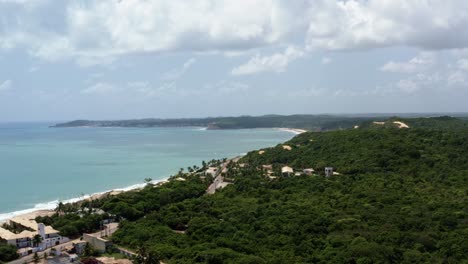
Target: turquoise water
[{"x": 40, "y": 165}]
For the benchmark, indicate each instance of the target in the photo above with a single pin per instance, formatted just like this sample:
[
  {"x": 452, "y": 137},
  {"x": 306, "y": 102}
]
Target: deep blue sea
[{"x": 41, "y": 165}]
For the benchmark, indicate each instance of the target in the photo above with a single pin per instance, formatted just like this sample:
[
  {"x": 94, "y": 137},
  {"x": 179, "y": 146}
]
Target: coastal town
[{"x": 37, "y": 242}]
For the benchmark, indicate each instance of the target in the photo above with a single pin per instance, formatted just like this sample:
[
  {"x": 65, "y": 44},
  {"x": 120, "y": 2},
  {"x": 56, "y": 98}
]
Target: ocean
[{"x": 40, "y": 166}]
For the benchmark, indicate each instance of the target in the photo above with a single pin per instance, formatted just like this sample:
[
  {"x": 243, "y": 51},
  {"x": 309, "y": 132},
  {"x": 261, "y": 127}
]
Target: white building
[
  {"x": 287, "y": 171},
  {"x": 308, "y": 171},
  {"x": 50, "y": 237},
  {"x": 328, "y": 171},
  {"x": 213, "y": 171}
]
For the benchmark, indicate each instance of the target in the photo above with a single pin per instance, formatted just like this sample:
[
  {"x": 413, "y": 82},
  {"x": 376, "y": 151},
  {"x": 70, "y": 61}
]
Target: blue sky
[{"x": 63, "y": 60}]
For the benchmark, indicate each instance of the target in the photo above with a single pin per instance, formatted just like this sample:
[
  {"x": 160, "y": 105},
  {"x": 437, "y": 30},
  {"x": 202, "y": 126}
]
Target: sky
[{"x": 119, "y": 59}]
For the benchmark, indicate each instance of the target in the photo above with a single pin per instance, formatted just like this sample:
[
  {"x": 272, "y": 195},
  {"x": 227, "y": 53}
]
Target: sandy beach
[{"x": 296, "y": 131}]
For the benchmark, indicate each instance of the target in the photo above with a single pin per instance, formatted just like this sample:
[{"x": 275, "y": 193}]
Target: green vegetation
[
  {"x": 433, "y": 123},
  {"x": 401, "y": 197},
  {"x": 311, "y": 122},
  {"x": 7, "y": 252},
  {"x": 74, "y": 224}
]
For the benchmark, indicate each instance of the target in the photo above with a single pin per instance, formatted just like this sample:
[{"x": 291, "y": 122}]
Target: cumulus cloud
[
  {"x": 273, "y": 63},
  {"x": 326, "y": 60},
  {"x": 175, "y": 74},
  {"x": 226, "y": 87},
  {"x": 363, "y": 24},
  {"x": 95, "y": 32},
  {"x": 6, "y": 85},
  {"x": 97, "y": 29},
  {"x": 463, "y": 64},
  {"x": 416, "y": 64},
  {"x": 99, "y": 88}
]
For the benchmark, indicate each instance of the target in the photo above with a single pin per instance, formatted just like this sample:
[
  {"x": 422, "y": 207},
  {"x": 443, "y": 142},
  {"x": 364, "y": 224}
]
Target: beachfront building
[
  {"x": 27, "y": 230},
  {"x": 287, "y": 171},
  {"x": 21, "y": 240},
  {"x": 213, "y": 171},
  {"x": 328, "y": 171}
]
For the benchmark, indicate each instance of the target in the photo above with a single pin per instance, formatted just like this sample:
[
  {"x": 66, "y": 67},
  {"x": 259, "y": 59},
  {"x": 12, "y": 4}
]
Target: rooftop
[{"x": 8, "y": 235}]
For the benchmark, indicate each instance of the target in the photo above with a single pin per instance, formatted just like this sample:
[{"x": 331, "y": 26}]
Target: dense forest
[
  {"x": 400, "y": 197},
  {"x": 311, "y": 122}
]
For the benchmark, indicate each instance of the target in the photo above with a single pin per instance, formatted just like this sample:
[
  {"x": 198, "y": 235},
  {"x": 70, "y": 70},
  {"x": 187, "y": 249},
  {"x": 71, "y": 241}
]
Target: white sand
[{"x": 401, "y": 124}]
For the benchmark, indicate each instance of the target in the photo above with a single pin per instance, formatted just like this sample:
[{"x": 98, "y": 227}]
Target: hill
[
  {"x": 310, "y": 122},
  {"x": 400, "y": 197},
  {"x": 439, "y": 123}
]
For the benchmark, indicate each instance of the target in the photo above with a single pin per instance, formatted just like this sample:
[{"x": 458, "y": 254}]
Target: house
[
  {"x": 287, "y": 171},
  {"x": 213, "y": 171},
  {"x": 97, "y": 242},
  {"x": 286, "y": 147},
  {"x": 30, "y": 228},
  {"x": 20, "y": 240},
  {"x": 267, "y": 167},
  {"x": 308, "y": 171},
  {"x": 328, "y": 171}
]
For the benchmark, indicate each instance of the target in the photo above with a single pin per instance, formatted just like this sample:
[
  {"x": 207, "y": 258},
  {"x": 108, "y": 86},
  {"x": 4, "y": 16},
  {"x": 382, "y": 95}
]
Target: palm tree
[
  {"x": 148, "y": 180},
  {"x": 60, "y": 208},
  {"x": 36, "y": 240}
]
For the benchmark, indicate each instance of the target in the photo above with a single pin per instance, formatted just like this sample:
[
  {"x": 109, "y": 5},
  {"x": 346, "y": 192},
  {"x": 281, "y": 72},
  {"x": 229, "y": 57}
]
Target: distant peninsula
[{"x": 308, "y": 122}]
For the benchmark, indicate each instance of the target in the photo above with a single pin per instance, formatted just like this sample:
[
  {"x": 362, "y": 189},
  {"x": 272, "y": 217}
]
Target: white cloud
[
  {"x": 175, "y": 74},
  {"x": 6, "y": 85},
  {"x": 33, "y": 69},
  {"x": 326, "y": 60},
  {"x": 109, "y": 28},
  {"x": 226, "y": 87},
  {"x": 463, "y": 64},
  {"x": 416, "y": 64},
  {"x": 96, "y": 32},
  {"x": 310, "y": 92},
  {"x": 99, "y": 88},
  {"x": 274, "y": 63},
  {"x": 363, "y": 24}
]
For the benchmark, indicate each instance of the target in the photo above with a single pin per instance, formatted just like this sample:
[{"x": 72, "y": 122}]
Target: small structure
[
  {"x": 328, "y": 171},
  {"x": 267, "y": 167},
  {"x": 261, "y": 152},
  {"x": 213, "y": 171},
  {"x": 308, "y": 171},
  {"x": 107, "y": 260},
  {"x": 97, "y": 242},
  {"x": 286, "y": 147},
  {"x": 78, "y": 247},
  {"x": 73, "y": 257},
  {"x": 287, "y": 171}
]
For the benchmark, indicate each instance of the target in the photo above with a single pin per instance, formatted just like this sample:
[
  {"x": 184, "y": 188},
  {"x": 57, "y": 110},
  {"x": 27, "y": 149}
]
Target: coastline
[
  {"x": 46, "y": 208},
  {"x": 296, "y": 131}
]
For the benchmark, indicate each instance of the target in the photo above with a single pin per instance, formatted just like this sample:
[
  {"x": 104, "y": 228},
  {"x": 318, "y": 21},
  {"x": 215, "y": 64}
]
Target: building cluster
[
  {"x": 28, "y": 229},
  {"x": 287, "y": 171}
]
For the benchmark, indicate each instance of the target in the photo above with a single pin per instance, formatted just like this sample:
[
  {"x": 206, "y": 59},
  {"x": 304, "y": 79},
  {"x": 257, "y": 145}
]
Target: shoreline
[
  {"x": 296, "y": 131},
  {"x": 48, "y": 207}
]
